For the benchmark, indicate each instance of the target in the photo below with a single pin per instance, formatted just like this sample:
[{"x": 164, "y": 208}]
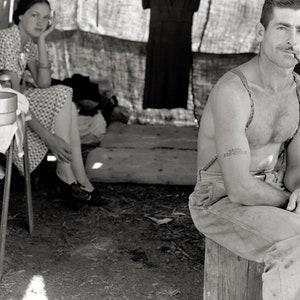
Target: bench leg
[{"x": 230, "y": 277}]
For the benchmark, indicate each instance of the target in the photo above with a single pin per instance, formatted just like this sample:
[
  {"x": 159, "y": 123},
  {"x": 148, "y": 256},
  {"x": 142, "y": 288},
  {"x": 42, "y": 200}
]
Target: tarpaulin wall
[{"x": 104, "y": 38}]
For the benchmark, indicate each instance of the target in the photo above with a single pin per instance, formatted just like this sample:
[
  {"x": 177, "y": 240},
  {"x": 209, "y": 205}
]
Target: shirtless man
[{"x": 241, "y": 200}]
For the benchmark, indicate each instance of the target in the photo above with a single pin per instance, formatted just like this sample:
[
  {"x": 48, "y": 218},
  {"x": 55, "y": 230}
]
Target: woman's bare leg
[
  {"x": 77, "y": 161},
  {"x": 63, "y": 126}
]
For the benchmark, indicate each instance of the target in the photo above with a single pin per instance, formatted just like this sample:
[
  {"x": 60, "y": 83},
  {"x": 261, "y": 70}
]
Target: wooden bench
[{"x": 230, "y": 277}]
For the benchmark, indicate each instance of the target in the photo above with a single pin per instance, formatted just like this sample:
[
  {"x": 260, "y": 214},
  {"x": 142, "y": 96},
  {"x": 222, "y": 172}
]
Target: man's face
[{"x": 281, "y": 40}]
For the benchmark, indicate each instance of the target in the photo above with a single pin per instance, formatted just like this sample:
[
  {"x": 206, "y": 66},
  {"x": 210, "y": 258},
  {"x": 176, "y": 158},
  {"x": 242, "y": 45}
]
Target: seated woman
[{"x": 54, "y": 117}]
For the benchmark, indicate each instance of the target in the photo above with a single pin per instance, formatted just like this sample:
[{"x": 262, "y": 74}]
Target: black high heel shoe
[
  {"x": 71, "y": 191},
  {"x": 94, "y": 197}
]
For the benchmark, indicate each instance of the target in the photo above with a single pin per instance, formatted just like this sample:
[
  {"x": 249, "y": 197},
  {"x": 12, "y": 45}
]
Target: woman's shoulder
[{"x": 10, "y": 33}]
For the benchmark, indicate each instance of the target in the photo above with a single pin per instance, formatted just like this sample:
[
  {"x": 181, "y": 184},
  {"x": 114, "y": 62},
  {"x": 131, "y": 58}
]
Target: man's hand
[
  {"x": 59, "y": 148},
  {"x": 294, "y": 202}
]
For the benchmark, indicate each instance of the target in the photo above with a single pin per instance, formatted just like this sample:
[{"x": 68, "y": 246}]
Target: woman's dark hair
[
  {"x": 23, "y": 6},
  {"x": 268, "y": 8}
]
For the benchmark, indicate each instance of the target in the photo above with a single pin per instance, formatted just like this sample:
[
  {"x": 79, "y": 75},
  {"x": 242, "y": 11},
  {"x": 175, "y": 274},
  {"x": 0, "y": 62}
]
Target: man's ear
[{"x": 260, "y": 31}]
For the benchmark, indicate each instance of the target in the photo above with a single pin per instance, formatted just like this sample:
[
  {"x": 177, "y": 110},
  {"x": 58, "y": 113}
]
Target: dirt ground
[{"x": 143, "y": 245}]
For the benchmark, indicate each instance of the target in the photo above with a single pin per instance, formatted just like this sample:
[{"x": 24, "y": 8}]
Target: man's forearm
[{"x": 257, "y": 192}]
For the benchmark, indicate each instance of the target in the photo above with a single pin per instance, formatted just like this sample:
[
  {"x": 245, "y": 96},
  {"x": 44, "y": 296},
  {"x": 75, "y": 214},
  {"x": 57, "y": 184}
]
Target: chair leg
[
  {"x": 5, "y": 204},
  {"x": 28, "y": 184}
]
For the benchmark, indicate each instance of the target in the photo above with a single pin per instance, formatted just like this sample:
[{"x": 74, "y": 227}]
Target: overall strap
[
  {"x": 243, "y": 79},
  {"x": 288, "y": 141},
  {"x": 210, "y": 163},
  {"x": 298, "y": 94}
]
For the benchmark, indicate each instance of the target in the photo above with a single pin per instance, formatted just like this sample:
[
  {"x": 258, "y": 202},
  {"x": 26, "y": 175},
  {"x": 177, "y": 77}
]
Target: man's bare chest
[{"x": 276, "y": 118}]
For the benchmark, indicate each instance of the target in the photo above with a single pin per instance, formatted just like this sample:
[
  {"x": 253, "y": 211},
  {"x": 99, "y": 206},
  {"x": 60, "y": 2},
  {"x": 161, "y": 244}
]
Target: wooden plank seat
[
  {"x": 230, "y": 277},
  {"x": 146, "y": 154}
]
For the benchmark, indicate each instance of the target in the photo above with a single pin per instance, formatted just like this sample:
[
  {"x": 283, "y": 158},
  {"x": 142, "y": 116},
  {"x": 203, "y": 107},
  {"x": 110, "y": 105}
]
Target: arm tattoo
[{"x": 235, "y": 151}]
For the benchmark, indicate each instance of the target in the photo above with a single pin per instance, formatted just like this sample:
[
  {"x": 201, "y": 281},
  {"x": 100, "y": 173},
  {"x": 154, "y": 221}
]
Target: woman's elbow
[{"x": 44, "y": 85}]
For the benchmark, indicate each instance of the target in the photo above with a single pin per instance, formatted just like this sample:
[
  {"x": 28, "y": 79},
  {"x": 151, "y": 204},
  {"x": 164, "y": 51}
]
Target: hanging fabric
[{"x": 169, "y": 54}]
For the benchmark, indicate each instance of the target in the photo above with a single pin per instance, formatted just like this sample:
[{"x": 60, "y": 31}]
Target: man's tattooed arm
[{"x": 235, "y": 151}]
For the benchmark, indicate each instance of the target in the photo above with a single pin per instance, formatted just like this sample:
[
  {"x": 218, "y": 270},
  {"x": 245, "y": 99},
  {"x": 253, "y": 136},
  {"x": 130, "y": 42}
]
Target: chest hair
[{"x": 276, "y": 116}]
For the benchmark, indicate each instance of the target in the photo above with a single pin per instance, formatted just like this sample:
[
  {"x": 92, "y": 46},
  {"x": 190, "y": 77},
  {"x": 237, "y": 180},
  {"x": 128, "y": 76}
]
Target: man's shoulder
[
  {"x": 229, "y": 84},
  {"x": 230, "y": 96}
]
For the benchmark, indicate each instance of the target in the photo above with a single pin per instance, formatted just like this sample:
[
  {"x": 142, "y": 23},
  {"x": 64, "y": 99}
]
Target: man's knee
[{"x": 284, "y": 252}]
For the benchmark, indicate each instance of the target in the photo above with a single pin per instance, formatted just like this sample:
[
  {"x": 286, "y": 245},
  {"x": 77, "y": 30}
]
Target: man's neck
[{"x": 273, "y": 78}]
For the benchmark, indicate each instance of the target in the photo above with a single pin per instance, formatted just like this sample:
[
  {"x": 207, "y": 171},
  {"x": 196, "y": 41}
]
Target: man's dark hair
[
  {"x": 23, "y": 6},
  {"x": 268, "y": 9}
]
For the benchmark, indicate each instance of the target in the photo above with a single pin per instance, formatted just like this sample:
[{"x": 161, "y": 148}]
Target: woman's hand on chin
[{"x": 50, "y": 28}]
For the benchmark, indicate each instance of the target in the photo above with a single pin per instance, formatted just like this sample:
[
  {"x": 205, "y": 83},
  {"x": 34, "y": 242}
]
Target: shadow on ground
[{"x": 143, "y": 245}]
